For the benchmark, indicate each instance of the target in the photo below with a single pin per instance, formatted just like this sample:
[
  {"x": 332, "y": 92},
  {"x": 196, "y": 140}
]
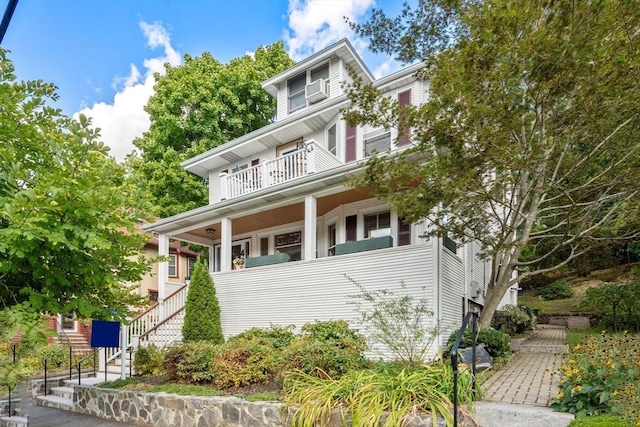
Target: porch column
[
  {"x": 225, "y": 244},
  {"x": 310, "y": 227},
  {"x": 163, "y": 267}
]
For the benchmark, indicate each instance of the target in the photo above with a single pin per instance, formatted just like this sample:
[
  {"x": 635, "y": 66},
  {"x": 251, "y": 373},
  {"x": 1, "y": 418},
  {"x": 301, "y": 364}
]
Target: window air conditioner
[{"x": 316, "y": 91}]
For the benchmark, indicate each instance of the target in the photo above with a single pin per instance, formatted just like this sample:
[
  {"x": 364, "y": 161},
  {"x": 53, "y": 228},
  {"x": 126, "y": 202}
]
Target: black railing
[
  {"x": 45, "y": 364},
  {"x": 473, "y": 316},
  {"x": 79, "y": 364},
  {"x": 10, "y": 388}
]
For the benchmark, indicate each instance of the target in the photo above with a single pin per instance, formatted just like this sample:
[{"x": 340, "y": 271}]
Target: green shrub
[
  {"x": 243, "y": 362},
  {"x": 202, "y": 310},
  {"x": 497, "y": 343},
  {"x": 601, "y": 376},
  {"x": 397, "y": 322},
  {"x": 149, "y": 360},
  {"x": 277, "y": 336},
  {"x": 192, "y": 362},
  {"x": 559, "y": 289},
  {"x": 330, "y": 348},
  {"x": 520, "y": 320}
]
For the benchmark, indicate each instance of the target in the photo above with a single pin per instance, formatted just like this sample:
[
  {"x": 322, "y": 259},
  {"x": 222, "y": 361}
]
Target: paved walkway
[{"x": 533, "y": 374}]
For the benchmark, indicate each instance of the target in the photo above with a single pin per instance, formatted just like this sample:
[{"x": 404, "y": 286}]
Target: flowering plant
[{"x": 238, "y": 261}]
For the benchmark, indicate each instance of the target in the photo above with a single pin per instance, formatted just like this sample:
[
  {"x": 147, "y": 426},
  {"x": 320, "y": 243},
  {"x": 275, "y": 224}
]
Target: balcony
[{"x": 309, "y": 158}]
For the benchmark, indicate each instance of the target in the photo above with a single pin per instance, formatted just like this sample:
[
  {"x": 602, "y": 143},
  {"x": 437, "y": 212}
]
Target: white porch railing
[
  {"x": 152, "y": 319},
  {"x": 310, "y": 158}
]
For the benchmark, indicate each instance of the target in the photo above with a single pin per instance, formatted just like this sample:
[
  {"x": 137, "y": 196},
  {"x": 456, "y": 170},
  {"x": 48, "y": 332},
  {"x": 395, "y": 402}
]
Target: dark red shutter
[
  {"x": 404, "y": 98},
  {"x": 350, "y": 145}
]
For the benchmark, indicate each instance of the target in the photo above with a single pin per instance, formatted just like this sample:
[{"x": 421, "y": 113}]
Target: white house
[{"x": 279, "y": 198}]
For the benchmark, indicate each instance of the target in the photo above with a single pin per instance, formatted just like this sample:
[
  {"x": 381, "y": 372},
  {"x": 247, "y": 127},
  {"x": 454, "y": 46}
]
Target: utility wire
[{"x": 8, "y": 13}]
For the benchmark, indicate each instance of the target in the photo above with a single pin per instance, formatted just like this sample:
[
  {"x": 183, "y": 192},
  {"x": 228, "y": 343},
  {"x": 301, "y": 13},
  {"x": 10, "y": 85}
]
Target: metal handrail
[
  {"x": 44, "y": 363},
  {"x": 454, "y": 358},
  {"x": 79, "y": 364}
]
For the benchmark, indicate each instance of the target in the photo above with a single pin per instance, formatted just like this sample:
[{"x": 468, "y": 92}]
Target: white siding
[
  {"x": 452, "y": 292},
  {"x": 305, "y": 291},
  {"x": 335, "y": 80},
  {"x": 282, "y": 102}
]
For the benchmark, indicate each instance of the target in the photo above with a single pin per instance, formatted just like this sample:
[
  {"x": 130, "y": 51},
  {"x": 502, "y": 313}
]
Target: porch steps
[
  {"x": 76, "y": 340},
  {"x": 62, "y": 397}
]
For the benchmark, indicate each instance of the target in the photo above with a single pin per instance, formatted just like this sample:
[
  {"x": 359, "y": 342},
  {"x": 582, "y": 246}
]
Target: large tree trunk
[{"x": 495, "y": 292}]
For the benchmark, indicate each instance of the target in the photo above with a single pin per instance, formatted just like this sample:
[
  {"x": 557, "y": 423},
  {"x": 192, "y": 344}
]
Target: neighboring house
[
  {"x": 279, "y": 198},
  {"x": 180, "y": 267}
]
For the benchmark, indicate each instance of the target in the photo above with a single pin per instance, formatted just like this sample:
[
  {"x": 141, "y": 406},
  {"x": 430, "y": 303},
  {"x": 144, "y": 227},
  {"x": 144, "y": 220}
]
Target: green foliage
[
  {"x": 192, "y": 362},
  {"x": 388, "y": 397},
  {"x": 599, "y": 421},
  {"x": 149, "y": 360},
  {"x": 601, "y": 376},
  {"x": 497, "y": 343},
  {"x": 326, "y": 348},
  {"x": 243, "y": 362},
  {"x": 278, "y": 337},
  {"x": 67, "y": 218},
  {"x": 559, "y": 289},
  {"x": 202, "y": 310},
  {"x": 526, "y": 101},
  {"x": 617, "y": 305},
  {"x": 198, "y": 106},
  {"x": 401, "y": 323},
  {"x": 520, "y": 319}
]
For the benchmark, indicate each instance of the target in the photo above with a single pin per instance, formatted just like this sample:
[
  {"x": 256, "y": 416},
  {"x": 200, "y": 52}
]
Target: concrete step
[
  {"x": 54, "y": 402},
  {"x": 65, "y": 392},
  {"x": 544, "y": 348},
  {"x": 14, "y": 421},
  {"x": 490, "y": 414},
  {"x": 98, "y": 379}
]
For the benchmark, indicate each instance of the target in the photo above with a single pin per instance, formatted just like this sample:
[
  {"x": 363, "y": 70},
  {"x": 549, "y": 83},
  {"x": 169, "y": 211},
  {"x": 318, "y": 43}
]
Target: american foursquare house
[{"x": 279, "y": 200}]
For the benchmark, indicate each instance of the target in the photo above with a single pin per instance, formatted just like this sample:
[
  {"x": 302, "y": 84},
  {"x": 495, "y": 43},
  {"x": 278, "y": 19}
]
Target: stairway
[
  {"x": 77, "y": 341},
  {"x": 62, "y": 397}
]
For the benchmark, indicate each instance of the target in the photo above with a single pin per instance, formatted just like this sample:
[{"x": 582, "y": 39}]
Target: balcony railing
[{"x": 310, "y": 158}]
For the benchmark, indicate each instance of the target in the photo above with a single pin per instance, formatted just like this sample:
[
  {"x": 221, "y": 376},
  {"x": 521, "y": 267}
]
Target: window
[
  {"x": 173, "y": 265},
  {"x": 377, "y": 144},
  {"x": 153, "y": 295},
  {"x": 404, "y": 99},
  {"x": 404, "y": 232},
  {"x": 264, "y": 246},
  {"x": 377, "y": 221},
  {"x": 290, "y": 243},
  {"x": 331, "y": 140},
  {"x": 351, "y": 226},
  {"x": 322, "y": 72},
  {"x": 332, "y": 240},
  {"x": 296, "y": 87},
  {"x": 350, "y": 144},
  {"x": 192, "y": 265}
]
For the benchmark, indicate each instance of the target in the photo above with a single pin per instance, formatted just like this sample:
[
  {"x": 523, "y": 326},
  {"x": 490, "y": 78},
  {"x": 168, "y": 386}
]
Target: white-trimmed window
[
  {"x": 332, "y": 235},
  {"x": 290, "y": 243},
  {"x": 377, "y": 224},
  {"x": 173, "y": 265},
  {"x": 377, "y": 142},
  {"x": 296, "y": 87},
  {"x": 332, "y": 140}
]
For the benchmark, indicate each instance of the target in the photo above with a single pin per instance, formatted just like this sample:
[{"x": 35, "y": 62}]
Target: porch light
[{"x": 210, "y": 230}]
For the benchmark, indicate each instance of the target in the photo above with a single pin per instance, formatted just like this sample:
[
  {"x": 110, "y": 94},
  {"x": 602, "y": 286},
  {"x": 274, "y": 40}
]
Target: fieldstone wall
[{"x": 167, "y": 410}]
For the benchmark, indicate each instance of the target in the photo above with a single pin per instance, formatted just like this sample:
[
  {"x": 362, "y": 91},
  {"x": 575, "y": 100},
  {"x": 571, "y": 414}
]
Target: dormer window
[{"x": 310, "y": 86}]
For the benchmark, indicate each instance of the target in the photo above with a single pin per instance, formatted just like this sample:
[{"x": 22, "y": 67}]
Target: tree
[
  {"x": 202, "y": 310},
  {"x": 197, "y": 106},
  {"x": 531, "y": 132},
  {"x": 67, "y": 235}
]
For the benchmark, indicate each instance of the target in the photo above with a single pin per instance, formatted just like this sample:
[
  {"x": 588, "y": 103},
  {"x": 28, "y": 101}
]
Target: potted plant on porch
[{"x": 238, "y": 263}]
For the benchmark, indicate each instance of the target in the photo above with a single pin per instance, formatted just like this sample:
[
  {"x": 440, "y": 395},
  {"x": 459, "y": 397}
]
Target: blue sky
[{"x": 102, "y": 53}]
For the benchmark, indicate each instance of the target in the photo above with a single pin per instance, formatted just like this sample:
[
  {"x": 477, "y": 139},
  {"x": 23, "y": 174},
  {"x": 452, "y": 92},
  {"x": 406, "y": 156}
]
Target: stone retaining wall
[{"x": 165, "y": 410}]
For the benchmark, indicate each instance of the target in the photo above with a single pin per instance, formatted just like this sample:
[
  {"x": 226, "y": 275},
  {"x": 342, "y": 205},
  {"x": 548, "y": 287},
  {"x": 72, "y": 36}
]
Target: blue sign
[{"x": 105, "y": 333}]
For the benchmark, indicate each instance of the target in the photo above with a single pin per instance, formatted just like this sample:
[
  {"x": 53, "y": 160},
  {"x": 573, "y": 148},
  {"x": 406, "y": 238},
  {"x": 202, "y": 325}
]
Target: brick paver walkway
[{"x": 533, "y": 374}]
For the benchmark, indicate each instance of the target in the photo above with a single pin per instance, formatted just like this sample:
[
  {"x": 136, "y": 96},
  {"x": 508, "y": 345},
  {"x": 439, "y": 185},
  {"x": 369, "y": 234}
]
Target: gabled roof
[{"x": 343, "y": 49}]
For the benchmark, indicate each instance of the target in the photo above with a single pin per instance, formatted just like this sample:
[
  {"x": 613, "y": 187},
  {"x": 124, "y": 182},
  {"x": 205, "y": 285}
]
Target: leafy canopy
[
  {"x": 531, "y": 133},
  {"x": 198, "y": 106},
  {"x": 67, "y": 236}
]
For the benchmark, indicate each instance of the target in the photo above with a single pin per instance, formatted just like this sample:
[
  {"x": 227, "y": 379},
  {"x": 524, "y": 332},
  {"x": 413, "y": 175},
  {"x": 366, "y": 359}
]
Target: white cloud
[
  {"x": 125, "y": 119},
  {"x": 315, "y": 24}
]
